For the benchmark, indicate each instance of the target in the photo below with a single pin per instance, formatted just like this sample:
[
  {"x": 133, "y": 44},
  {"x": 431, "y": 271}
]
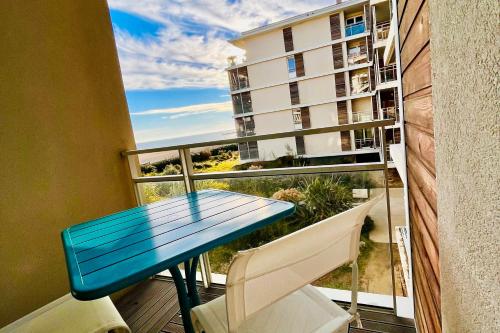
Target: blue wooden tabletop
[{"x": 113, "y": 252}]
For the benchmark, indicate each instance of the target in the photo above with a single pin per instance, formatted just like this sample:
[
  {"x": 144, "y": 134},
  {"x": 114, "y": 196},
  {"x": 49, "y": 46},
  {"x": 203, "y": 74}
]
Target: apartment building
[{"x": 318, "y": 69}]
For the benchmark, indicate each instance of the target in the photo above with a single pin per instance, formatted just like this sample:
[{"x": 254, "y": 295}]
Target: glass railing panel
[
  {"x": 354, "y": 29},
  {"x": 318, "y": 197},
  {"x": 153, "y": 192}
]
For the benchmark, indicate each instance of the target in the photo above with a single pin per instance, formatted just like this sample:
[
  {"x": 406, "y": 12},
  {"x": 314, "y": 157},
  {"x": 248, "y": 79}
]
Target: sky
[{"x": 173, "y": 55}]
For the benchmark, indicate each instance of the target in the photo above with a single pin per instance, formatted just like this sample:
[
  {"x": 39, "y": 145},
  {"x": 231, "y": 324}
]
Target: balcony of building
[
  {"x": 69, "y": 156},
  {"x": 355, "y": 24},
  {"x": 386, "y": 76}
]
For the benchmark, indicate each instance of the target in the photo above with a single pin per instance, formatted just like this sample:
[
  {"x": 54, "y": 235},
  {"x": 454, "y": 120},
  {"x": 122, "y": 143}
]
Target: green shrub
[
  {"x": 325, "y": 197},
  {"x": 171, "y": 169}
]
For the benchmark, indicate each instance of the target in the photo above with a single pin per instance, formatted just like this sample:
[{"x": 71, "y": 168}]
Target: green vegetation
[{"x": 316, "y": 197}]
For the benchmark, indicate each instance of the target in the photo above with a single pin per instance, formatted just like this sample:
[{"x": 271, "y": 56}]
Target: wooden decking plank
[
  {"x": 149, "y": 316},
  {"x": 157, "y": 310},
  {"x": 385, "y": 327}
]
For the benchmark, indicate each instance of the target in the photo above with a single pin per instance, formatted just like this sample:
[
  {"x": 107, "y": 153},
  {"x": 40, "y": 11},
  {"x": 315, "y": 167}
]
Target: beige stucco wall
[
  {"x": 318, "y": 61},
  {"x": 322, "y": 144},
  {"x": 266, "y": 123},
  {"x": 265, "y": 45},
  {"x": 465, "y": 65},
  {"x": 271, "y": 149},
  {"x": 274, "y": 122},
  {"x": 323, "y": 115},
  {"x": 317, "y": 90},
  {"x": 63, "y": 123},
  {"x": 272, "y": 98},
  {"x": 268, "y": 73},
  {"x": 311, "y": 33}
]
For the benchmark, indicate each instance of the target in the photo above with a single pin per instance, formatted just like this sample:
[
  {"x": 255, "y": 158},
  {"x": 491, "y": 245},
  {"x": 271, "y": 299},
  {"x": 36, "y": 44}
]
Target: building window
[
  {"x": 292, "y": 69},
  {"x": 248, "y": 150},
  {"x": 238, "y": 78},
  {"x": 245, "y": 126},
  {"x": 301, "y": 147},
  {"x": 288, "y": 39},
  {"x": 294, "y": 93},
  {"x": 242, "y": 103},
  {"x": 301, "y": 118},
  {"x": 354, "y": 25},
  {"x": 295, "y": 65}
]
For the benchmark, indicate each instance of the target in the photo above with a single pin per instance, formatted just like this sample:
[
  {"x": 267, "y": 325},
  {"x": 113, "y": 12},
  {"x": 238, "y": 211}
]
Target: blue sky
[{"x": 173, "y": 54}]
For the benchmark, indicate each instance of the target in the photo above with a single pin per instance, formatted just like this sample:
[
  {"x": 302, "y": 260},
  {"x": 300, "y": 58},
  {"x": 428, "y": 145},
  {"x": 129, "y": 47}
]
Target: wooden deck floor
[{"x": 151, "y": 307}]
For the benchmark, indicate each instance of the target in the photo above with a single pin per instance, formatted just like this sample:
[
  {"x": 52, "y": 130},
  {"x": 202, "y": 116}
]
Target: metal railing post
[
  {"x": 187, "y": 173},
  {"x": 389, "y": 220}
]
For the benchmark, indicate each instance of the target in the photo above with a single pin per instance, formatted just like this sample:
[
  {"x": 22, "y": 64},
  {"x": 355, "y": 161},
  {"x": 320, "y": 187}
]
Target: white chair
[
  {"x": 268, "y": 290},
  {"x": 67, "y": 314}
]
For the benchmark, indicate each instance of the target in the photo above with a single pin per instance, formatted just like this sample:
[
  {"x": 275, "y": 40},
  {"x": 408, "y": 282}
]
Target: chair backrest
[{"x": 261, "y": 276}]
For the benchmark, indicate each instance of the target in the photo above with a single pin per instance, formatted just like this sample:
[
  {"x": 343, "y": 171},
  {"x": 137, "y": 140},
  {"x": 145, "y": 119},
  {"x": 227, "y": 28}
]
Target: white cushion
[
  {"x": 67, "y": 314},
  {"x": 305, "y": 310}
]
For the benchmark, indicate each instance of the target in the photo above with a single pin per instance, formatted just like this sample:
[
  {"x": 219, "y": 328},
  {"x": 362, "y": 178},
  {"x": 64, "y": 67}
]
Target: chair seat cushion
[
  {"x": 67, "y": 314},
  {"x": 305, "y": 310}
]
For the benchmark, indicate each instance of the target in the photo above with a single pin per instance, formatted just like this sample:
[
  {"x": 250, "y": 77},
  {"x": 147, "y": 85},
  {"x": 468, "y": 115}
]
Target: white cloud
[
  {"x": 189, "y": 109},
  {"x": 191, "y": 48}
]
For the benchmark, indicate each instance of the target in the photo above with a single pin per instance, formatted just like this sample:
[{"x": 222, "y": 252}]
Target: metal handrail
[
  {"x": 388, "y": 73},
  {"x": 321, "y": 130},
  {"x": 382, "y": 29}
]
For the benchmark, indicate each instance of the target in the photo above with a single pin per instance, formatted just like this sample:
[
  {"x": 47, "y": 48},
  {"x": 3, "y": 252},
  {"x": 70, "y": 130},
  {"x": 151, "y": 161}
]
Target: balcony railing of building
[
  {"x": 354, "y": 29},
  {"x": 361, "y": 116},
  {"x": 354, "y": 58},
  {"x": 365, "y": 143},
  {"x": 391, "y": 112},
  {"x": 388, "y": 73},
  {"x": 382, "y": 30},
  {"x": 189, "y": 177}
]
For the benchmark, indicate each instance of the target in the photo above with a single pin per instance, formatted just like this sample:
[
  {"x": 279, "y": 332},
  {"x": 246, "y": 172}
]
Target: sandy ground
[
  {"x": 377, "y": 276},
  {"x": 379, "y": 214}
]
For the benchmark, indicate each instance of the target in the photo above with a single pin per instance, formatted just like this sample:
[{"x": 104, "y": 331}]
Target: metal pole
[
  {"x": 389, "y": 221},
  {"x": 187, "y": 173}
]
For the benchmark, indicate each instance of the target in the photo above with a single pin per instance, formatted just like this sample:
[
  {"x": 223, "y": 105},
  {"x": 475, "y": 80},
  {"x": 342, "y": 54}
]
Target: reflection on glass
[{"x": 318, "y": 197}]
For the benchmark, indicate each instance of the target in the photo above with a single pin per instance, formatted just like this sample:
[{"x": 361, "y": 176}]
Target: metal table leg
[{"x": 186, "y": 291}]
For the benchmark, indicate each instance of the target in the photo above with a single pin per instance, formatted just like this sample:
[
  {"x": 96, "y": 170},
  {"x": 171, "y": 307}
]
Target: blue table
[{"x": 116, "y": 251}]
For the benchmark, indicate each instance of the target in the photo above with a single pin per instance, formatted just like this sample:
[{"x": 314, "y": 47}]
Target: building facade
[{"x": 318, "y": 69}]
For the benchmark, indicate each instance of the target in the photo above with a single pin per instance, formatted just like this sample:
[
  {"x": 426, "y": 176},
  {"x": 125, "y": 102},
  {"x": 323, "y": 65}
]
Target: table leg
[{"x": 187, "y": 292}]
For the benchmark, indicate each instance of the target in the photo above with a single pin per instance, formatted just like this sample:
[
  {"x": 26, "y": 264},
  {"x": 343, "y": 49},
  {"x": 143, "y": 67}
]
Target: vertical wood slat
[
  {"x": 338, "y": 56},
  {"x": 299, "y": 65},
  {"x": 288, "y": 39},
  {"x": 342, "y": 113},
  {"x": 306, "y": 119},
  {"x": 294, "y": 93},
  {"x": 335, "y": 31},
  {"x": 418, "y": 35},
  {"x": 345, "y": 139},
  {"x": 417, "y": 98},
  {"x": 340, "y": 88}
]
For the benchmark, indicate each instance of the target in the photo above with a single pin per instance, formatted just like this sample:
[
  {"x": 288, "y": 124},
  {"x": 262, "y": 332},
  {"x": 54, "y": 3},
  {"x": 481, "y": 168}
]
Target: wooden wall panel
[{"x": 414, "y": 32}]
